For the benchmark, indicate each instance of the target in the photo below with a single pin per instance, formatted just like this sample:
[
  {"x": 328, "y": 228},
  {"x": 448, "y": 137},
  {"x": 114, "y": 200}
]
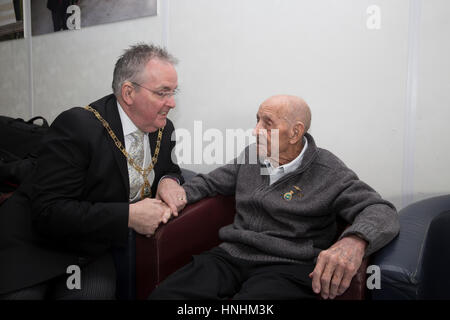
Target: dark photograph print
[
  {"x": 11, "y": 19},
  {"x": 49, "y": 16}
]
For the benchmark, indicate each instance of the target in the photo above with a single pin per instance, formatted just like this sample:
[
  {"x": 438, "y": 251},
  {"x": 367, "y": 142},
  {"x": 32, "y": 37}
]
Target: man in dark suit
[{"x": 95, "y": 178}]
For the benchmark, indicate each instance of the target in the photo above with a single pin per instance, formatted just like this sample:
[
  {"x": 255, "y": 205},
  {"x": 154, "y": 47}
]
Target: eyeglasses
[{"x": 162, "y": 94}]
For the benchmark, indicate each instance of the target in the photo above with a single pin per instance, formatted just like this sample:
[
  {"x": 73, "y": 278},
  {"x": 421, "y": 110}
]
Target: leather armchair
[
  {"x": 196, "y": 230},
  {"x": 409, "y": 264}
]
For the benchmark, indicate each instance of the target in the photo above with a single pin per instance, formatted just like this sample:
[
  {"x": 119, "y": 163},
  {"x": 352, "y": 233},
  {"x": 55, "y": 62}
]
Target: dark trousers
[
  {"x": 98, "y": 282},
  {"x": 217, "y": 275},
  {"x": 59, "y": 20}
]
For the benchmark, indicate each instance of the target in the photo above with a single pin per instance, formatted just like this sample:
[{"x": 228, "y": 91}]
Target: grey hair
[{"x": 130, "y": 65}]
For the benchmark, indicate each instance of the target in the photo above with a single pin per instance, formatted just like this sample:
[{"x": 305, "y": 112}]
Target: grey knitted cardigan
[{"x": 294, "y": 219}]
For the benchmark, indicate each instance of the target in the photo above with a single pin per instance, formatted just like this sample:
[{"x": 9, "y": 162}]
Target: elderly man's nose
[{"x": 256, "y": 129}]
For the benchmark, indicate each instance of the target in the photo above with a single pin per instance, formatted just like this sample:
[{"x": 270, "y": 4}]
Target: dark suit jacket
[{"x": 74, "y": 207}]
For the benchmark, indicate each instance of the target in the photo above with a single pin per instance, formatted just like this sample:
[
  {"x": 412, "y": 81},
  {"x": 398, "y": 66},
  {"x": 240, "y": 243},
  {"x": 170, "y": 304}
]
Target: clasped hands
[{"x": 146, "y": 215}]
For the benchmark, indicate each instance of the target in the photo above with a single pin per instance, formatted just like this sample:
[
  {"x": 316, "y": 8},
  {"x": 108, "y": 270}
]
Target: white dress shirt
[
  {"x": 129, "y": 127},
  {"x": 278, "y": 172}
]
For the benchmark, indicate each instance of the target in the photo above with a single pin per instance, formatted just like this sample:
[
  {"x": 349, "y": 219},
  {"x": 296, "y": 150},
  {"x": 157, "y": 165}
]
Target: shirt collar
[
  {"x": 127, "y": 125},
  {"x": 292, "y": 165}
]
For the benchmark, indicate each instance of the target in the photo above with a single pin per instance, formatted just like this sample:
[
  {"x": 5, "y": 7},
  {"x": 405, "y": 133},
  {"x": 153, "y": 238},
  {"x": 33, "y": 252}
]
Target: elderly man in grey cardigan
[{"x": 280, "y": 245}]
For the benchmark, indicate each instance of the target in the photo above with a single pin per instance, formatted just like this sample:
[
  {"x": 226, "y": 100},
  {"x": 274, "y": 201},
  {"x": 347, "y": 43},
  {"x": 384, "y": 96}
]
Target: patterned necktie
[{"x": 137, "y": 153}]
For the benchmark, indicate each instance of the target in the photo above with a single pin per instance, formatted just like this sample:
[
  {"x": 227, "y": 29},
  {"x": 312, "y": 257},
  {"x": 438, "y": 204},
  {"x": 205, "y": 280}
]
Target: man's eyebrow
[
  {"x": 264, "y": 117},
  {"x": 166, "y": 88}
]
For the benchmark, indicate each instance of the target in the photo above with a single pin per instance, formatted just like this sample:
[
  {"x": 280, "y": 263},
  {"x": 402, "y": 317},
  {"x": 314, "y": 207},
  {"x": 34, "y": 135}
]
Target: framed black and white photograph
[
  {"x": 11, "y": 19},
  {"x": 49, "y": 16}
]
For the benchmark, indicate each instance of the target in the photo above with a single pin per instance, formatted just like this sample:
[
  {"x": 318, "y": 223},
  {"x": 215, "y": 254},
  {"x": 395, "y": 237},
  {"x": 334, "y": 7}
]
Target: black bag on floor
[
  {"x": 21, "y": 137},
  {"x": 19, "y": 142},
  {"x": 14, "y": 170}
]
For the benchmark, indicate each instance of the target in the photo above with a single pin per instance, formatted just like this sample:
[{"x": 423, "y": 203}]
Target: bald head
[
  {"x": 290, "y": 118},
  {"x": 291, "y": 108}
]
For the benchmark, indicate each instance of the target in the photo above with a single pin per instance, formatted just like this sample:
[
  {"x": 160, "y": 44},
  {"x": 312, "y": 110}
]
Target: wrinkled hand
[
  {"x": 337, "y": 266},
  {"x": 172, "y": 194},
  {"x": 146, "y": 215}
]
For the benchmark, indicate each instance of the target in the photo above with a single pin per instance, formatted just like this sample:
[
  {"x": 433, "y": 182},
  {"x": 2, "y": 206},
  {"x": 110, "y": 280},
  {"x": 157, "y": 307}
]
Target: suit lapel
[
  {"x": 152, "y": 141},
  {"x": 152, "y": 136},
  {"x": 111, "y": 115}
]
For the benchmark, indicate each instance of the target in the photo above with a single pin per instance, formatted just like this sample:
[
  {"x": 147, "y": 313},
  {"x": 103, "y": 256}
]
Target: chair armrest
[
  {"x": 357, "y": 289},
  {"x": 192, "y": 232},
  {"x": 401, "y": 260}
]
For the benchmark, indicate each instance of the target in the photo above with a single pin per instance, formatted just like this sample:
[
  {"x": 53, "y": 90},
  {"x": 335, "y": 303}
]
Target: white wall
[
  {"x": 235, "y": 53},
  {"x": 75, "y": 68},
  {"x": 70, "y": 68},
  {"x": 432, "y": 154},
  {"x": 14, "y": 82}
]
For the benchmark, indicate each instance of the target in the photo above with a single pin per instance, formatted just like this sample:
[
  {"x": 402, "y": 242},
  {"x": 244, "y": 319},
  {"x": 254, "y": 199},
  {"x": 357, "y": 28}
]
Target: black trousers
[
  {"x": 98, "y": 282},
  {"x": 217, "y": 275}
]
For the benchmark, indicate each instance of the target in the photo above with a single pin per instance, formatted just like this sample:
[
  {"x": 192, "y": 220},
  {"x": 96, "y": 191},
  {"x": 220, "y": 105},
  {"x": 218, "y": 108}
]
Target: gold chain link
[{"x": 143, "y": 172}]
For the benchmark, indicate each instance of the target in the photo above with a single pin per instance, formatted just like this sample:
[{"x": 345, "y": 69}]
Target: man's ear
[
  {"x": 298, "y": 130},
  {"x": 128, "y": 93}
]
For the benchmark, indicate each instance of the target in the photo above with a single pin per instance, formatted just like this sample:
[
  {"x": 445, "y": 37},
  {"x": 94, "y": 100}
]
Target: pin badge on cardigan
[{"x": 288, "y": 195}]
